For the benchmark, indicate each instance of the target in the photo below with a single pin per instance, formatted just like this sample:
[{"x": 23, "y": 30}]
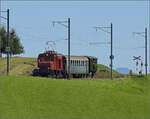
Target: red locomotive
[{"x": 51, "y": 64}]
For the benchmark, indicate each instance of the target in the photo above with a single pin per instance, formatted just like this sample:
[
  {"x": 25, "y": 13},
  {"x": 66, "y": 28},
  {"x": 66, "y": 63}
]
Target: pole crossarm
[
  {"x": 3, "y": 17},
  {"x": 102, "y": 28},
  {"x": 63, "y": 23},
  {"x": 3, "y": 11},
  {"x": 139, "y": 33}
]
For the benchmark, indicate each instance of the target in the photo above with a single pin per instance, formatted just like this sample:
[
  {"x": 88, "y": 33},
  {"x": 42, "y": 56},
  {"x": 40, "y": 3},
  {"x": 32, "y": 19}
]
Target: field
[
  {"x": 19, "y": 65},
  {"x": 26, "y": 97}
]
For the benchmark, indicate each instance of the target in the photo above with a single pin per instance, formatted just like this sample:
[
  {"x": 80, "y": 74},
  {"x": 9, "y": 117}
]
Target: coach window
[{"x": 86, "y": 63}]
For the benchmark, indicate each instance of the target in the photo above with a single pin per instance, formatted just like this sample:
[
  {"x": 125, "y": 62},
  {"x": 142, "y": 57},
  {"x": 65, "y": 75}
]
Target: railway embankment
[{"x": 24, "y": 65}]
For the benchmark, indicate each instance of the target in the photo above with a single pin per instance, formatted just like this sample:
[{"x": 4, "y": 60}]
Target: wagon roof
[
  {"x": 91, "y": 57},
  {"x": 77, "y": 57}
]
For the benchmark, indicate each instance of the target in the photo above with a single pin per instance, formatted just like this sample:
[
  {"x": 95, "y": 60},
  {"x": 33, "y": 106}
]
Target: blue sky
[{"x": 33, "y": 23}]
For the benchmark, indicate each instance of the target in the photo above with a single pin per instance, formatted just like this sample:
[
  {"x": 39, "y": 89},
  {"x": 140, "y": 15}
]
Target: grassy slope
[
  {"x": 24, "y": 66},
  {"x": 19, "y": 65},
  {"x": 43, "y": 98},
  {"x": 106, "y": 75}
]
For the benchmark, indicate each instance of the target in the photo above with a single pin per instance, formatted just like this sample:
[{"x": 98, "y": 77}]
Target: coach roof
[{"x": 77, "y": 57}]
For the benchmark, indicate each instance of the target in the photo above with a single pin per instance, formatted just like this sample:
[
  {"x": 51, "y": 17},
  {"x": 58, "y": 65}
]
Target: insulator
[{"x": 141, "y": 63}]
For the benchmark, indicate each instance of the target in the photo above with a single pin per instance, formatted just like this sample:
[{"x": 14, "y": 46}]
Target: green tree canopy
[
  {"x": 3, "y": 39},
  {"x": 15, "y": 45}
]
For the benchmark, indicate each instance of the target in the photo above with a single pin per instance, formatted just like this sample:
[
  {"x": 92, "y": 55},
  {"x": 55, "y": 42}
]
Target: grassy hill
[
  {"x": 106, "y": 75},
  {"x": 27, "y": 97},
  {"x": 19, "y": 65},
  {"x": 25, "y": 65}
]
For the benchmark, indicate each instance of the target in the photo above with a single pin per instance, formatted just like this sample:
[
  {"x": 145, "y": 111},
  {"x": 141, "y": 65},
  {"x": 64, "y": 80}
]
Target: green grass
[
  {"x": 25, "y": 97},
  {"x": 19, "y": 65},
  {"x": 106, "y": 75}
]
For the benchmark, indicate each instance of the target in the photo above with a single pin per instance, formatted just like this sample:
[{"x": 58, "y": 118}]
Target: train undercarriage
[{"x": 58, "y": 74}]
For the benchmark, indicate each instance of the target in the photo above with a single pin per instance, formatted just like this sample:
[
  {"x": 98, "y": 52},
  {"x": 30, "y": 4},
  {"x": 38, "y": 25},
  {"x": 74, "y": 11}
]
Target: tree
[
  {"x": 3, "y": 39},
  {"x": 15, "y": 45}
]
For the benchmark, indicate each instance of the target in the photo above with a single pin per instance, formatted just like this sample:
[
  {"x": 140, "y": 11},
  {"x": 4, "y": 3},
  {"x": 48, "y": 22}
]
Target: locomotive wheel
[
  {"x": 50, "y": 76},
  {"x": 64, "y": 74},
  {"x": 35, "y": 72}
]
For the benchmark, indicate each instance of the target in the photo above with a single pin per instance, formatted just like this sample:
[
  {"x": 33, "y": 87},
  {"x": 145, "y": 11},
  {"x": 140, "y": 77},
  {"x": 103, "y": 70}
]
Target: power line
[{"x": 97, "y": 43}]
